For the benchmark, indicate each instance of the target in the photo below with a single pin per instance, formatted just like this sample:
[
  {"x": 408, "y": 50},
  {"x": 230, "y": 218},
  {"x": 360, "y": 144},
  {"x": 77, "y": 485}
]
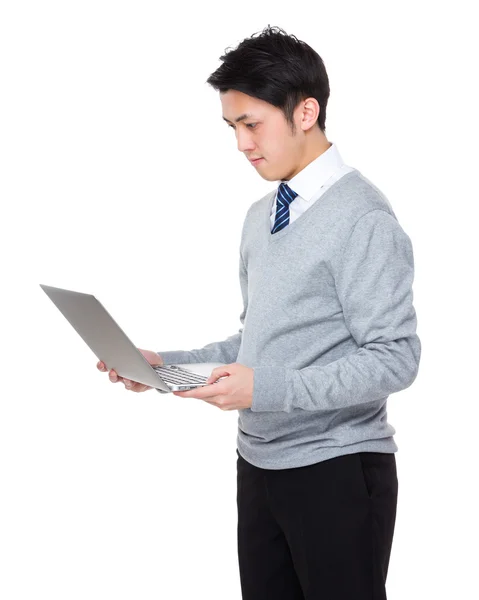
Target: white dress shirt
[{"x": 311, "y": 183}]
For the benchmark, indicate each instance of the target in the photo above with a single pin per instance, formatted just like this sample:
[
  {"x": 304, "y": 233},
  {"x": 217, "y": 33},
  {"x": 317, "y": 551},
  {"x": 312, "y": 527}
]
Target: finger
[
  {"x": 101, "y": 366},
  {"x": 135, "y": 386},
  {"x": 217, "y": 373},
  {"x": 202, "y": 392},
  {"x": 140, "y": 387},
  {"x": 114, "y": 377}
]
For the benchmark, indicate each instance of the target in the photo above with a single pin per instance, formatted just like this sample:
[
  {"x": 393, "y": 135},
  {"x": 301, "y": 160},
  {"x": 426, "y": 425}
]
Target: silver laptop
[{"x": 111, "y": 345}]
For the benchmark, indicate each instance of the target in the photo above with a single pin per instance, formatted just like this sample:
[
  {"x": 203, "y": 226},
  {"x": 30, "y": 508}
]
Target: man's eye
[{"x": 250, "y": 125}]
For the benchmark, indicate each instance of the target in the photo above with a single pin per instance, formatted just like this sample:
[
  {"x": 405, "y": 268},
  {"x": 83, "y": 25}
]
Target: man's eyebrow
[{"x": 240, "y": 118}]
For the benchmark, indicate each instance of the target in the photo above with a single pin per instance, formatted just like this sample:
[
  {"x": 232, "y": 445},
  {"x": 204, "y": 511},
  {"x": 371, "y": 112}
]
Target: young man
[{"x": 329, "y": 332}]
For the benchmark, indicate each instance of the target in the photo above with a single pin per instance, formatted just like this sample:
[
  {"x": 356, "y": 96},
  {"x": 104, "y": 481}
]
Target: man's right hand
[{"x": 152, "y": 357}]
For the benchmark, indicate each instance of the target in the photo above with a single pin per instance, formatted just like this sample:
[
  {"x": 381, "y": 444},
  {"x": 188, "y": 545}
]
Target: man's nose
[{"x": 245, "y": 143}]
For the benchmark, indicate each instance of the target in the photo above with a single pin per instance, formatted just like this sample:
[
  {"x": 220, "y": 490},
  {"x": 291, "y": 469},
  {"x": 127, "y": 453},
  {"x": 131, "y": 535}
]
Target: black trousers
[{"x": 320, "y": 532}]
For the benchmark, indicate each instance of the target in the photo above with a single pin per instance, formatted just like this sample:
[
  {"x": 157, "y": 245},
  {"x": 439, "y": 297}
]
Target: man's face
[{"x": 264, "y": 134}]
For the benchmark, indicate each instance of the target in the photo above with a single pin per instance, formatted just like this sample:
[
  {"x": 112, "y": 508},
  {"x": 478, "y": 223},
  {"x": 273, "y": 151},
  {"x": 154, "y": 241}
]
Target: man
[{"x": 329, "y": 332}]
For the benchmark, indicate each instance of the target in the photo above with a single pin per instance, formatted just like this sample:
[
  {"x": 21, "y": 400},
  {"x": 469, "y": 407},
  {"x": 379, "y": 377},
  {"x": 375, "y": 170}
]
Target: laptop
[{"x": 112, "y": 346}]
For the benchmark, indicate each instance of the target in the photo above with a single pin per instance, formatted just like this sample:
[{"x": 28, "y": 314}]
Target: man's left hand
[{"x": 233, "y": 392}]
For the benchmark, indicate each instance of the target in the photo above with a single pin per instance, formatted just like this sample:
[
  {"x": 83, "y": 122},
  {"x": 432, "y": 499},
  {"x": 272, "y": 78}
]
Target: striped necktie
[{"x": 284, "y": 198}]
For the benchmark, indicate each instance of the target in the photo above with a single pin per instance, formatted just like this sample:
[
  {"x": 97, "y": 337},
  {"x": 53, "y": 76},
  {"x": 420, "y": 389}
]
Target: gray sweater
[{"x": 328, "y": 325}]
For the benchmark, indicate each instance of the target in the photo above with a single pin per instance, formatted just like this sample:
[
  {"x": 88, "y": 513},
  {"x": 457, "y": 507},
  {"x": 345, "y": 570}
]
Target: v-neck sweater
[{"x": 329, "y": 327}]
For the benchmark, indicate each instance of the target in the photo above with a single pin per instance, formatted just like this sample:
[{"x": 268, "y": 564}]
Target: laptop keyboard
[{"x": 178, "y": 375}]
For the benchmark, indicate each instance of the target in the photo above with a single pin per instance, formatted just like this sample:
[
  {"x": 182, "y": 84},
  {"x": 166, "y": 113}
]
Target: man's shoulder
[
  {"x": 361, "y": 195},
  {"x": 350, "y": 197}
]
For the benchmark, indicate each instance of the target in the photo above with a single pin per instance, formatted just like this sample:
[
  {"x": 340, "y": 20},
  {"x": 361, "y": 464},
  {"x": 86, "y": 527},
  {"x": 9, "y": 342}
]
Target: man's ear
[{"x": 310, "y": 113}]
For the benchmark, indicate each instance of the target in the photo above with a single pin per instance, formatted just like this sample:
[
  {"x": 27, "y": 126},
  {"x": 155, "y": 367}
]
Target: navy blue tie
[{"x": 284, "y": 199}]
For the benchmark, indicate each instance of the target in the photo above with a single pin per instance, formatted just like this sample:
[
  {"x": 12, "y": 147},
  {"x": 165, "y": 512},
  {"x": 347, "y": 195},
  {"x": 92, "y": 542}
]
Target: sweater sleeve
[
  {"x": 225, "y": 351},
  {"x": 373, "y": 278}
]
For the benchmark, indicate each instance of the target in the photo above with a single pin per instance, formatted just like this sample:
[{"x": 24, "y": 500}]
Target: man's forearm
[{"x": 225, "y": 351}]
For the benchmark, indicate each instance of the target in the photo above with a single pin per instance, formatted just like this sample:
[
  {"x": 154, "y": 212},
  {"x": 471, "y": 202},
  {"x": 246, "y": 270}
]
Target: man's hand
[
  {"x": 231, "y": 393},
  {"x": 152, "y": 357}
]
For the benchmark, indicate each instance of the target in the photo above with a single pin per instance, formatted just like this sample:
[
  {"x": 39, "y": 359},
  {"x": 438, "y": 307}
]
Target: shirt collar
[{"x": 314, "y": 175}]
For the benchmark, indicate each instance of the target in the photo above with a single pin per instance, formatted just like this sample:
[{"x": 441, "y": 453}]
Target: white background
[{"x": 119, "y": 178}]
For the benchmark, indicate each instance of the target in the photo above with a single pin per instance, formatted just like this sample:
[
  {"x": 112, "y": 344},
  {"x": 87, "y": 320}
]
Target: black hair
[{"x": 277, "y": 68}]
